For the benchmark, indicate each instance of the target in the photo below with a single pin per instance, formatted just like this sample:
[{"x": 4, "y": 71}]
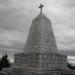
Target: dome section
[{"x": 41, "y": 17}]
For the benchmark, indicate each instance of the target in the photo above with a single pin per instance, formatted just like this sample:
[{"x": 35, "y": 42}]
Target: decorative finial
[{"x": 41, "y": 6}]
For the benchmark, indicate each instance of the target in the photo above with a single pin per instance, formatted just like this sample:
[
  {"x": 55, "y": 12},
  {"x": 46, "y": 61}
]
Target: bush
[{"x": 4, "y": 62}]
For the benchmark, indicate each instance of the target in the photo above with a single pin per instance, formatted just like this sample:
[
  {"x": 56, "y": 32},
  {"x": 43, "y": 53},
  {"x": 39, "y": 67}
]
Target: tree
[
  {"x": 4, "y": 62},
  {"x": 69, "y": 65}
]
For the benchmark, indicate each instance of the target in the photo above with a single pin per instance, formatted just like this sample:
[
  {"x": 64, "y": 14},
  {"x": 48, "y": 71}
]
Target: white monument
[{"x": 41, "y": 56}]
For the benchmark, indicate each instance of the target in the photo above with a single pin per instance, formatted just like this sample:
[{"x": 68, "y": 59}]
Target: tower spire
[{"x": 41, "y": 6}]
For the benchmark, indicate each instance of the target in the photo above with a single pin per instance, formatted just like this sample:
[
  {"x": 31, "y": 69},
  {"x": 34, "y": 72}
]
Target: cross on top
[{"x": 41, "y": 6}]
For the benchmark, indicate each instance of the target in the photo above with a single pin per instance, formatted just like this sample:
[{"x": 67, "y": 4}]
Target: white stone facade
[
  {"x": 41, "y": 36},
  {"x": 51, "y": 61},
  {"x": 40, "y": 56}
]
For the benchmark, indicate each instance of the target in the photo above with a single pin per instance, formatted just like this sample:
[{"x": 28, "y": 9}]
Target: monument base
[
  {"x": 22, "y": 71},
  {"x": 41, "y": 61}
]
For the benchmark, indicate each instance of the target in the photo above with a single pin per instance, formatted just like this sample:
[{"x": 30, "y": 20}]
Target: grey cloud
[
  {"x": 69, "y": 3},
  {"x": 5, "y": 2},
  {"x": 65, "y": 3},
  {"x": 15, "y": 45},
  {"x": 69, "y": 52},
  {"x": 9, "y": 21}
]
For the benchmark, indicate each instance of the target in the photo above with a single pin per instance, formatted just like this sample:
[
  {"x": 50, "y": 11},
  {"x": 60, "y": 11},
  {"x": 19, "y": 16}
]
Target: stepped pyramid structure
[{"x": 40, "y": 56}]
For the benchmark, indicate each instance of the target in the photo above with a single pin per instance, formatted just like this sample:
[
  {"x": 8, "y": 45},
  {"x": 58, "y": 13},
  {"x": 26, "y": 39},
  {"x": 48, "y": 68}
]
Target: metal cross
[{"x": 41, "y": 6}]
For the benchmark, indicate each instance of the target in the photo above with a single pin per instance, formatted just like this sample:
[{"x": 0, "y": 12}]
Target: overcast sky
[{"x": 16, "y": 17}]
